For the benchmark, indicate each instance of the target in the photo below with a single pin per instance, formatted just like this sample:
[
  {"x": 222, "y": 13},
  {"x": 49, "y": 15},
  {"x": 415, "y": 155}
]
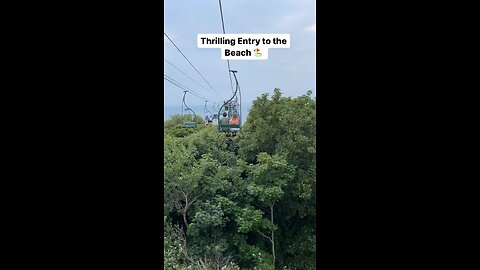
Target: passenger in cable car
[
  {"x": 215, "y": 120},
  {"x": 208, "y": 119},
  {"x": 225, "y": 120},
  {"x": 234, "y": 120}
]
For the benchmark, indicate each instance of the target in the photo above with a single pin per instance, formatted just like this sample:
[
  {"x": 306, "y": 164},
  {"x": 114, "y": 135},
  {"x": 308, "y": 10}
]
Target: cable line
[
  {"x": 184, "y": 73},
  {"x": 223, "y": 27},
  {"x": 179, "y": 86},
  {"x": 192, "y": 65},
  {"x": 182, "y": 87},
  {"x": 190, "y": 90}
]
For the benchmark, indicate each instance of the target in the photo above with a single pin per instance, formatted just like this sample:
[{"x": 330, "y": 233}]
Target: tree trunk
[
  {"x": 185, "y": 218},
  {"x": 185, "y": 209},
  {"x": 272, "y": 239}
]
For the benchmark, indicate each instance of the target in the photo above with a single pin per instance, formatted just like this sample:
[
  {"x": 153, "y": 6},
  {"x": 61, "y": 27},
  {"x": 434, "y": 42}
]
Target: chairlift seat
[
  {"x": 232, "y": 128},
  {"x": 190, "y": 124}
]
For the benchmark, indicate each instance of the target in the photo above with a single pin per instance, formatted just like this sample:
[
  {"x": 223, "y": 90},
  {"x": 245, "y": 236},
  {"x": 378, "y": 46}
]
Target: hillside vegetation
[{"x": 246, "y": 202}]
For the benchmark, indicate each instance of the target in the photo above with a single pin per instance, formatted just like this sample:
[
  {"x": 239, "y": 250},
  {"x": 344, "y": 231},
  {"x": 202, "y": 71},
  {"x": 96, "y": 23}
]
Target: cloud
[{"x": 312, "y": 28}]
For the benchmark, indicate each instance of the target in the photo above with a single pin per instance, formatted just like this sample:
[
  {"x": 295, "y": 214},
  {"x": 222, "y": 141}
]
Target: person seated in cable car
[
  {"x": 208, "y": 119},
  {"x": 215, "y": 120},
  {"x": 225, "y": 120},
  {"x": 234, "y": 120}
]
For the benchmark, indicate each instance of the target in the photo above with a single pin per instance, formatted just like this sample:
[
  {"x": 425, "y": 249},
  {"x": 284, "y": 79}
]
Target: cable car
[
  {"x": 208, "y": 115},
  {"x": 230, "y": 118},
  {"x": 188, "y": 124}
]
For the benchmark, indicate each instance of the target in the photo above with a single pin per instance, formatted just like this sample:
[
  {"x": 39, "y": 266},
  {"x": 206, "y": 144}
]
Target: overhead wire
[
  {"x": 185, "y": 86},
  {"x": 211, "y": 87},
  {"x": 228, "y": 66},
  {"x": 174, "y": 82},
  {"x": 223, "y": 27},
  {"x": 185, "y": 90},
  {"x": 177, "y": 68}
]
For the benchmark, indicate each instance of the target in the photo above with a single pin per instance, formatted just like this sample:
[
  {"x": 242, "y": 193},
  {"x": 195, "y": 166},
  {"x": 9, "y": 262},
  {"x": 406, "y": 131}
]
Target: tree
[
  {"x": 269, "y": 177},
  {"x": 286, "y": 126},
  {"x": 178, "y": 119},
  {"x": 245, "y": 202},
  {"x": 199, "y": 189}
]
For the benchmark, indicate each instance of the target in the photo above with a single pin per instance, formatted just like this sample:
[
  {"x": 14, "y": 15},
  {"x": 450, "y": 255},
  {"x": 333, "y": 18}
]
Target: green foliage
[
  {"x": 171, "y": 247},
  {"x": 253, "y": 257},
  {"x": 229, "y": 197},
  {"x": 210, "y": 141},
  {"x": 286, "y": 127},
  {"x": 269, "y": 177},
  {"x": 180, "y": 132},
  {"x": 174, "y": 126},
  {"x": 248, "y": 219},
  {"x": 178, "y": 119},
  {"x": 281, "y": 125}
]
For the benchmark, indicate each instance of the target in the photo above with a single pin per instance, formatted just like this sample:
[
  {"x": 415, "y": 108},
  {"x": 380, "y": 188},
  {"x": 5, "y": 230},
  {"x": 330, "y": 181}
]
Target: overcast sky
[{"x": 292, "y": 70}]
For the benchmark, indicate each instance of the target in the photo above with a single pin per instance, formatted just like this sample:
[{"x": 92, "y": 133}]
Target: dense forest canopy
[{"x": 243, "y": 202}]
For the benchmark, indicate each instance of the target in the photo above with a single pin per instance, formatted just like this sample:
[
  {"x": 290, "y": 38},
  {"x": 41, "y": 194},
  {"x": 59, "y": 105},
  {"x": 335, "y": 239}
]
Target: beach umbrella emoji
[{"x": 257, "y": 52}]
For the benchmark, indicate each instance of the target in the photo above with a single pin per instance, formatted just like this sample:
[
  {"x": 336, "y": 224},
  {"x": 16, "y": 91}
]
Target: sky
[{"x": 292, "y": 70}]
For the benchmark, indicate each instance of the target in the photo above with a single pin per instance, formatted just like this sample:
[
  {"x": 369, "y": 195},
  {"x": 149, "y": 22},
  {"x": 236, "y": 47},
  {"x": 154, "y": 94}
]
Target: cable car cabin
[
  {"x": 229, "y": 125},
  {"x": 190, "y": 124}
]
